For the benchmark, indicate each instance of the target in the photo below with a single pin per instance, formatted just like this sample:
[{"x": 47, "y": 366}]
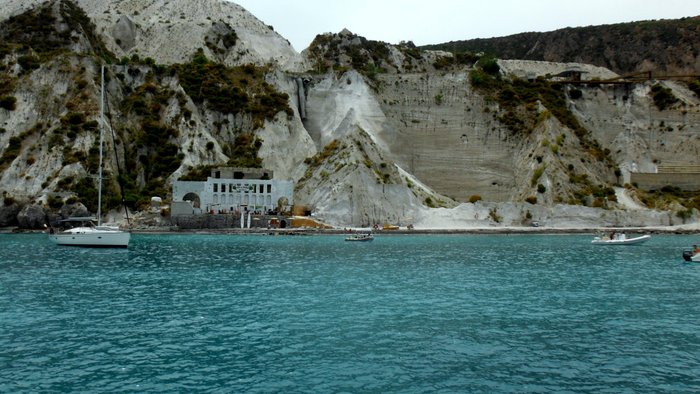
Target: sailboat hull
[{"x": 92, "y": 238}]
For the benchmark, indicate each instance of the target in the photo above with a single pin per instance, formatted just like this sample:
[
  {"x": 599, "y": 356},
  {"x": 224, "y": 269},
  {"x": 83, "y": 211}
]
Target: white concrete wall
[{"x": 245, "y": 192}]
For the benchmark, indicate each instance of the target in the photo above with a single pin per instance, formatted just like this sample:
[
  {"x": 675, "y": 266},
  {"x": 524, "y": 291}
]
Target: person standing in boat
[{"x": 696, "y": 250}]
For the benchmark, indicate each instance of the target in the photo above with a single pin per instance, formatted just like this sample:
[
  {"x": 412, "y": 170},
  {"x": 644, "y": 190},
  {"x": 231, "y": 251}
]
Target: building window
[
  {"x": 216, "y": 187},
  {"x": 261, "y": 190},
  {"x": 223, "y": 188},
  {"x": 269, "y": 188}
]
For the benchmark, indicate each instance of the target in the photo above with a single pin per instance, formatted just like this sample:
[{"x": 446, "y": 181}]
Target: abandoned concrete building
[{"x": 232, "y": 190}]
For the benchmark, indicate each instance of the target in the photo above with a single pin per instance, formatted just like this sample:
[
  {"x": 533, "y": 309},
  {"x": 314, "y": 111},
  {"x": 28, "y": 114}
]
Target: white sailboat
[{"x": 82, "y": 231}]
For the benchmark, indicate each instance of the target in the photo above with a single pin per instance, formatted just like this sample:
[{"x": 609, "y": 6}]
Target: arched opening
[
  {"x": 194, "y": 198},
  {"x": 283, "y": 223}
]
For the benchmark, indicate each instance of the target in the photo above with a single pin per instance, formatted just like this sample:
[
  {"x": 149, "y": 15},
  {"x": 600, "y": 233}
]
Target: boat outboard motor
[{"x": 688, "y": 255}]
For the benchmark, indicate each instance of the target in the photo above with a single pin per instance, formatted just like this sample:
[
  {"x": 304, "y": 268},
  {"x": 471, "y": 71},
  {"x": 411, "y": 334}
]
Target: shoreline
[
  {"x": 670, "y": 230},
  {"x": 432, "y": 231}
]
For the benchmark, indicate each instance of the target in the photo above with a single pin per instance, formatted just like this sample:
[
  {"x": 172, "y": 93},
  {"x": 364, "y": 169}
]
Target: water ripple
[{"x": 217, "y": 313}]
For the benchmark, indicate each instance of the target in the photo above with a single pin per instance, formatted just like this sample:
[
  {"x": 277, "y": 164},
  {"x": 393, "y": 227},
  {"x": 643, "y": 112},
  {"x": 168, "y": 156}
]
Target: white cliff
[{"x": 171, "y": 31}]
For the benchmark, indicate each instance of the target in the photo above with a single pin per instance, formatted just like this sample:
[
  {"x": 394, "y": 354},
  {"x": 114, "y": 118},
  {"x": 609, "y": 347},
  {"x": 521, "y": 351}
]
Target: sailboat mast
[{"x": 99, "y": 169}]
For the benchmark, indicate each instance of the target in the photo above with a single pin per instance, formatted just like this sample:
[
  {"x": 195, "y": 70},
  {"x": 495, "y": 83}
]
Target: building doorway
[{"x": 193, "y": 198}]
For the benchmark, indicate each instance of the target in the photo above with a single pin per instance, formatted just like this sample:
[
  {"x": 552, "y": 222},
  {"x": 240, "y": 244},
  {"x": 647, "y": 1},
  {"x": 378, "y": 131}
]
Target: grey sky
[{"x": 436, "y": 21}]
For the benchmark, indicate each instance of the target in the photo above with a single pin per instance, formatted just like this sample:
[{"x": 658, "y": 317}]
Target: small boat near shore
[
  {"x": 620, "y": 239},
  {"x": 360, "y": 237},
  {"x": 690, "y": 257}
]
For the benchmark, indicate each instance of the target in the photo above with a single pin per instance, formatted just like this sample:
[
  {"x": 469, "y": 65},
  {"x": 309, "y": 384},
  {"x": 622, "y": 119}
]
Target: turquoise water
[{"x": 468, "y": 313}]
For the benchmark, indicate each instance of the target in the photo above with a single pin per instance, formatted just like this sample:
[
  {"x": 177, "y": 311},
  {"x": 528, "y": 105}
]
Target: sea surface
[{"x": 316, "y": 314}]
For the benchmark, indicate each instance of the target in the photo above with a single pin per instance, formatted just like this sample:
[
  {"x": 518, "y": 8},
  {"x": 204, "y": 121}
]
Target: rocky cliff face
[
  {"x": 371, "y": 133},
  {"x": 172, "y": 31},
  {"x": 429, "y": 119},
  {"x": 161, "y": 120}
]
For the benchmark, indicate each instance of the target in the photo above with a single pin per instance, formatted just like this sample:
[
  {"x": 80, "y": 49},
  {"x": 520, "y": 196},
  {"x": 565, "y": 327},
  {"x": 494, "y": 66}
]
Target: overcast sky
[{"x": 437, "y": 21}]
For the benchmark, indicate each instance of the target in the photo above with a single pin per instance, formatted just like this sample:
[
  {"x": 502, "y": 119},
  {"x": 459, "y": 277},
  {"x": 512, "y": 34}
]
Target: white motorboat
[
  {"x": 82, "y": 231},
  {"x": 360, "y": 237},
  {"x": 620, "y": 239}
]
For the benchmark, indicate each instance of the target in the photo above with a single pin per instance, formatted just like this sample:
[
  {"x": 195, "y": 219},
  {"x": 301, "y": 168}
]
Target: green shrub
[
  {"x": 232, "y": 90},
  {"x": 684, "y": 214},
  {"x": 480, "y": 79},
  {"x": 54, "y": 202},
  {"x": 244, "y": 152},
  {"x": 229, "y": 39},
  {"x": 537, "y": 174},
  {"x": 493, "y": 214},
  {"x": 694, "y": 85},
  {"x": 11, "y": 152},
  {"x": 8, "y": 102},
  {"x": 74, "y": 118},
  {"x": 28, "y": 63},
  {"x": 489, "y": 64},
  {"x": 663, "y": 97},
  {"x": 199, "y": 173},
  {"x": 442, "y": 62}
]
